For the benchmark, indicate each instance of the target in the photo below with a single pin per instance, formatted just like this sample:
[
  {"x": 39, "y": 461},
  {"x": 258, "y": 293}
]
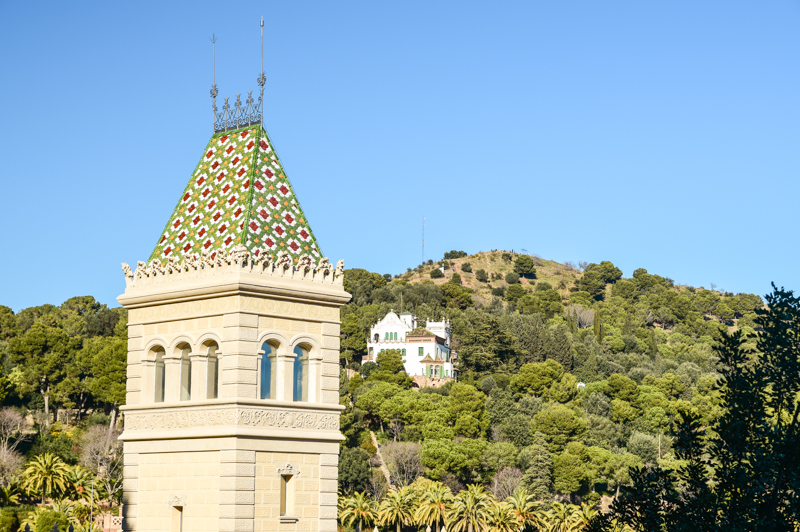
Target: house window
[
  {"x": 377, "y": 337},
  {"x": 404, "y": 352},
  {"x": 186, "y": 373},
  {"x": 177, "y": 519},
  {"x": 386, "y": 336},
  {"x": 300, "y": 374},
  {"x": 421, "y": 351},
  {"x": 212, "y": 380},
  {"x": 160, "y": 376},
  {"x": 267, "y": 371},
  {"x": 371, "y": 351},
  {"x": 395, "y": 336},
  {"x": 287, "y": 496}
]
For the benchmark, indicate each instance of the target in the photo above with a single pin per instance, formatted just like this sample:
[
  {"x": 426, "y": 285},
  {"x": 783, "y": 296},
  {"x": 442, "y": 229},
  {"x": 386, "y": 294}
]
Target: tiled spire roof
[{"x": 238, "y": 194}]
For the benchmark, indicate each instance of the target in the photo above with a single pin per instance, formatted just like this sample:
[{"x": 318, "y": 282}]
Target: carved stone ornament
[
  {"x": 239, "y": 259},
  {"x": 289, "y": 469},
  {"x": 177, "y": 500},
  {"x": 237, "y": 417}
]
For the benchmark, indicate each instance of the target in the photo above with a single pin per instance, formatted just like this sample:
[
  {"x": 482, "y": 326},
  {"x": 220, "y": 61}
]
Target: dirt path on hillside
[{"x": 383, "y": 467}]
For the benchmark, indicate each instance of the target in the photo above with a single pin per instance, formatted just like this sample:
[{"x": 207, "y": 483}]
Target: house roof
[
  {"x": 238, "y": 194},
  {"x": 420, "y": 331}
]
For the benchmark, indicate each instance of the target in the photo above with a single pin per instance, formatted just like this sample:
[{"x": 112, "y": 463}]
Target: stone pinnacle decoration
[{"x": 238, "y": 195}]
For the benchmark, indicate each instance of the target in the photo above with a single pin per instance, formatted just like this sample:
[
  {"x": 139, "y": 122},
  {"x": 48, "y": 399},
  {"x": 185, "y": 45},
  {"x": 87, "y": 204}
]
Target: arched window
[
  {"x": 300, "y": 374},
  {"x": 404, "y": 352},
  {"x": 395, "y": 336},
  {"x": 212, "y": 383},
  {"x": 160, "y": 376},
  {"x": 377, "y": 337},
  {"x": 268, "y": 371},
  {"x": 386, "y": 336},
  {"x": 186, "y": 372}
]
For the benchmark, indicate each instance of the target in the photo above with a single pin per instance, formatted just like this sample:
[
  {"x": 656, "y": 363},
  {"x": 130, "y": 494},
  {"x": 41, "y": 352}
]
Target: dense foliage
[
  {"x": 63, "y": 376},
  {"x": 563, "y": 384},
  {"x": 741, "y": 472}
]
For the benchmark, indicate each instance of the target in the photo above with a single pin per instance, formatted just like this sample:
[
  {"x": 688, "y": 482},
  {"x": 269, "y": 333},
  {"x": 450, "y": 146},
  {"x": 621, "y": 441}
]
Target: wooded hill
[{"x": 527, "y": 331}]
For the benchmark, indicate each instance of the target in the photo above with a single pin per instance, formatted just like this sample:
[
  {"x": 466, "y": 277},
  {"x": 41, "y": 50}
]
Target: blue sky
[{"x": 655, "y": 135}]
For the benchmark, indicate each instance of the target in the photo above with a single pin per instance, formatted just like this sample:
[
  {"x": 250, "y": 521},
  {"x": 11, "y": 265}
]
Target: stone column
[
  {"x": 330, "y": 363},
  {"x": 237, "y": 470},
  {"x": 135, "y": 385},
  {"x": 314, "y": 377},
  {"x": 285, "y": 374},
  {"x": 172, "y": 377},
  {"x": 199, "y": 374},
  {"x": 240, "y": 361},
  {"x": 147, "y": 379},
  {"x": 130, "y": 490},
  {"x": 328, "y": 491}
]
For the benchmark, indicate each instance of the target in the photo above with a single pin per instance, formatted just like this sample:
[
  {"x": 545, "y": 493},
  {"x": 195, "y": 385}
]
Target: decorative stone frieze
[
  {"x": 232, "y": 417},
  {"x": 218, "y": 305}
]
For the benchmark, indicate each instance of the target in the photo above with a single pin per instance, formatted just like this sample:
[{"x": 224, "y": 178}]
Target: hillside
[
  {"x": 560, "y": 276},
  {"x": 567, "y": 375}
]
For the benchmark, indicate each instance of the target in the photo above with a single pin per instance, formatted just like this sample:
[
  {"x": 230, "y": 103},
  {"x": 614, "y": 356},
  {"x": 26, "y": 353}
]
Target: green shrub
[
  {"x": 512, "y": 278},
  {"x": 436, "y": 273},
  {"x": 499, "y": 291},
  {"x": 455, "y": 279},
  {"x": 46, "y": 518},
  {"x": 524, "y": 266},
  {"x": 455, "y": 254},
  {"x": 9, "y": 521},
  {"x": 466, "y": 267},
  {"x": 482, "y": 276}
]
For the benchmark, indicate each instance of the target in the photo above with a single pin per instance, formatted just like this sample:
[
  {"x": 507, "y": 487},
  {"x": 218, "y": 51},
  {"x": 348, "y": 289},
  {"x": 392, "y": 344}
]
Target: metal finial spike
[
  {"x": 213, "y": 59},
  {"x": 262, "y": 79},
  {"x": 214, "y": 90}
]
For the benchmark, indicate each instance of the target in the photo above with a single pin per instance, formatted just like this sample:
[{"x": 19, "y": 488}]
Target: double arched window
[
  {"x": 300, "y": 374},
  {"x": 212, "y": 379},
  {"x": 267, "y": 371},
  {"x": 186, "y": 372},
  {"x": 185, "y": 375},
  {"x": 160, "y": 375}
]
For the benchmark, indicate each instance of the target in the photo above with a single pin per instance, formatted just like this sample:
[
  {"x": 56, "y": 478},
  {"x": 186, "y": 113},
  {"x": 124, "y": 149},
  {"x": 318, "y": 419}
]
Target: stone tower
[{"x": 232, "y": 414}]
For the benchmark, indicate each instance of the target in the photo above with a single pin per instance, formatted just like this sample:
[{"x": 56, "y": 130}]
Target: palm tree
[
  {"x": 500, "y": 518},
  {"x": 78, "y": 483},
  {"x": 433, "y": 504},
  {"x": 46, "y": 472},
  {"x": 562, "y": 517},
  {"x": 397, "y": 508},
  {"x": 470, "y": 510},
  {"x": 357, "y": 508},
  {"x": 9, "y": 495},
  {"x": 524, "y": 509},
  {"x": 584, "y": 515}
]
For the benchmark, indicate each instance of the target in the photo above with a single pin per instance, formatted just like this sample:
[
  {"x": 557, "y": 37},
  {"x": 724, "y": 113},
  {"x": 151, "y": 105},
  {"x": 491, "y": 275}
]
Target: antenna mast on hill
[{"x": 423, "y": 240}]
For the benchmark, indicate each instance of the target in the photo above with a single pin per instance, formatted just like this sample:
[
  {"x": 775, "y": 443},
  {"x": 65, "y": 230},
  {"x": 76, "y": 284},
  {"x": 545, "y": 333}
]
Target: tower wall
[{"x": 234, "y": 462}]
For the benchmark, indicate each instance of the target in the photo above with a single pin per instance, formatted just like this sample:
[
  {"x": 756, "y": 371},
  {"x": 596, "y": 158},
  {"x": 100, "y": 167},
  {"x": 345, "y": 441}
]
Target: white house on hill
[{"x": 426, "y": 350}]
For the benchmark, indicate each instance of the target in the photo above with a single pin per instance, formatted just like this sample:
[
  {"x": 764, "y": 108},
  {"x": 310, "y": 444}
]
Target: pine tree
[{"x": 558, "y": 346}]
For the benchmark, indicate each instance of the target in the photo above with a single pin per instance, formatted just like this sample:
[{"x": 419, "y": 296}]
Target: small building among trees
[{"x": 427, "y": 354}]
